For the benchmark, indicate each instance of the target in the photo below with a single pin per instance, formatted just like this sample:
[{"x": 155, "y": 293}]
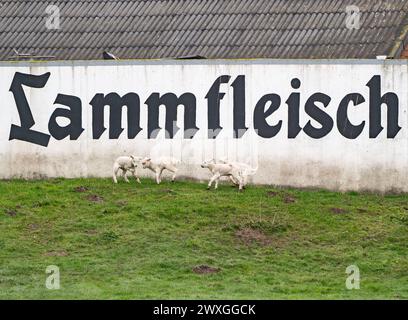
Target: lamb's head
[
  {"x": 146, "y": 162},
  {"x": 135, "y": 160},
  {"x": 206, "y": 163}
]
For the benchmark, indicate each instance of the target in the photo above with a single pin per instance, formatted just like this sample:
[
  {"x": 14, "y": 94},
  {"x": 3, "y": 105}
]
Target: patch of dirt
[
  {"x": 33, "y": 226},
  {"x": 289, "y": 199},
  {"x": 57, "y": 253},
  {"x": 251, "y": 235},
  {"x": 361, "y": 210},
  {"x": 11, "y": 212},
  {"x": 338, "y": 210},
  {"x": 204, "y": 269},
  {"x": 94, "y": 198},
  {"x": 272, "y": 193},
  {"x": 91, "y": 232},
  {"x": 169, "y": 191},
  {"x": 122, "y": 203},
  {"x": 81, "y": 189}
]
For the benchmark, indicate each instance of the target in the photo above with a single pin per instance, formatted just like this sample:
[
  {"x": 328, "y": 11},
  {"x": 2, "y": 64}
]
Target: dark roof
[{"x": 208, "y": 28}]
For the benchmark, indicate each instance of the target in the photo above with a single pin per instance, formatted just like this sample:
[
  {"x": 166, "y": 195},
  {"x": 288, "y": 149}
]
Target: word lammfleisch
[{"x": 264, "y": 108}]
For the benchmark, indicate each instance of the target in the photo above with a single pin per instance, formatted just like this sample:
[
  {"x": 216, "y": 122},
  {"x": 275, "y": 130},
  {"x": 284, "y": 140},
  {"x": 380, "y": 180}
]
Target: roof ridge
[
  {"x": 211, "y": 13},
  {"x": 206, "y": 29}
]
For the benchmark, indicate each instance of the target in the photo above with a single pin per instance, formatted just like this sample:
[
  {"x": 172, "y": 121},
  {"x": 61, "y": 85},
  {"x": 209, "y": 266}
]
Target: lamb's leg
[
  {"x": 158, "y": 175},
  {"x": 172, "y": 169},
  {"x": 125, "y": 175},
  {"x": 133, "y": 171},
  {"x": 216, "y": 183},
  {"x": 115, "y": 172},
  {"x": 135, "y": 175},
  {"x": 245, "y": 181},
  {"x": 213, "y": 178},
  {"x": 240, "y": 180},
  {"x": 233, "y": 181},
  {"x": 161, "y": 173},
  {"x": 240, "y": 184}
]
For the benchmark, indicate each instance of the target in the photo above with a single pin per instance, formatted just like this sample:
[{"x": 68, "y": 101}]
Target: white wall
[{"x": 332, "y": 162}]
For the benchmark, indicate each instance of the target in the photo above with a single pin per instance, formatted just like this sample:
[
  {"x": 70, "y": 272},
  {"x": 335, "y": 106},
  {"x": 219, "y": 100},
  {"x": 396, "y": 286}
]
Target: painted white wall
[{"x": 332, "y": 162}]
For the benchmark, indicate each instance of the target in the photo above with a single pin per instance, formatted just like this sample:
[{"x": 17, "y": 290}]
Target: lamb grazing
[
  {"x": 125, "y": 163},
  {"x": 245, "y": 170},
  {"x": 222, "y": 170},
  {"x": 157, "y": 166}
]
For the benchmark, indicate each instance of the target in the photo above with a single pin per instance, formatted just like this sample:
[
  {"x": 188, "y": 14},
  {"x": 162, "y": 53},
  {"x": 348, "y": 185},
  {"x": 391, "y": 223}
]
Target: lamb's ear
[{"x": 133, "y": 158}]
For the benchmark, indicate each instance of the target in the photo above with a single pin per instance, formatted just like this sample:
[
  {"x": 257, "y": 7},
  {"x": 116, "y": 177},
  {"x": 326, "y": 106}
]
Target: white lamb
[
  {"x": 160, "y": 164},
  {"x": 245, "y": 170},
  {"x": 125, "y": 163},
  {"x": 222, "y": 170}
]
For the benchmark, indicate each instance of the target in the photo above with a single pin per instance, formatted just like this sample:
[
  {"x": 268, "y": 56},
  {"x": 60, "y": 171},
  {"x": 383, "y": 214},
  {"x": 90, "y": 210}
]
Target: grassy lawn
[{"x": 131, "y": 241}]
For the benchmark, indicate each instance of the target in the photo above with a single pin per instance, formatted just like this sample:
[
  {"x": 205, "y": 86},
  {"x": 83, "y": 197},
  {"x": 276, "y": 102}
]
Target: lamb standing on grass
[
  {"x": 125, "y": 163},
  {"x": 222, "y": 170},
  {"x": 157, "y": 166},
  {"x": 245, "y": 170}
]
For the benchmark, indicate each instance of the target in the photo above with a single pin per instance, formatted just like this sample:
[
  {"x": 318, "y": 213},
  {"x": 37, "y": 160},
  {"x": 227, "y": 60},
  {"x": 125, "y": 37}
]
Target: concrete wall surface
[{"x": 265, "y": 88}]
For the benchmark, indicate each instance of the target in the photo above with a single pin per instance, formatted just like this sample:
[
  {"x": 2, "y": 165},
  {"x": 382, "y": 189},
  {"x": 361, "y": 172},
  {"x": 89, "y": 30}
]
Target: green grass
[{"x": 143, "y": 241}]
